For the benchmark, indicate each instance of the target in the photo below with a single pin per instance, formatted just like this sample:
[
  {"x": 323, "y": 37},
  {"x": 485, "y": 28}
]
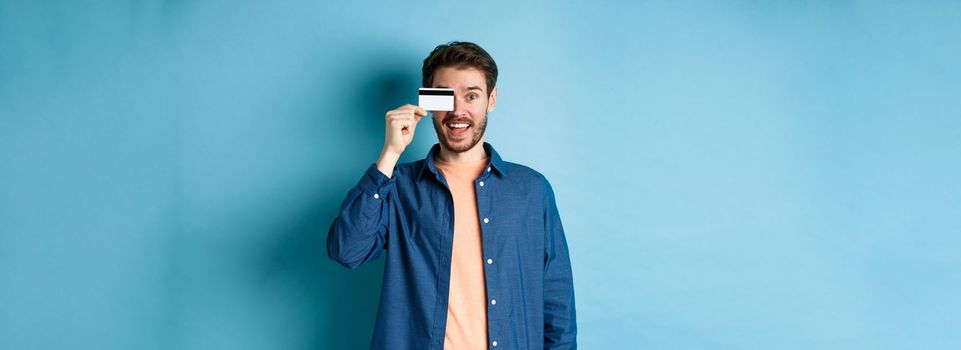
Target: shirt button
[
  {"x": 494, "y": 343},
  {"x": 489, "y": 170},
  {"x": 490, "y": 261},
  {"x": 376, "y": 196},
  {"x": 482, "y": 183},
  {"x": 493, "y": 301},
  {"x": 486, "y": 221}
]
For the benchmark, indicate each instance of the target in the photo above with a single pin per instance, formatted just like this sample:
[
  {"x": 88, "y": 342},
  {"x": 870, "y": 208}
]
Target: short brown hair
[{"x": 460, "y": 54}]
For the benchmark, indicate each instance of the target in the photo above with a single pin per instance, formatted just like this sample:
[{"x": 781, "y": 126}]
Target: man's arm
[
  {"x": 560, "y": 321},
  {"x": 359, "y": 233}
]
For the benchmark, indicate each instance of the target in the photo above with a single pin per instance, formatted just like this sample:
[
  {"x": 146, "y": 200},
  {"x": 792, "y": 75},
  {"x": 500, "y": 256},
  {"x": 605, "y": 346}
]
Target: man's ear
[{"x": 492, "y": 101}]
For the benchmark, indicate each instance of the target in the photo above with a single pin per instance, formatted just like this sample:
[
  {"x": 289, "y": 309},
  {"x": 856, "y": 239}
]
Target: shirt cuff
[{"x": 373, "y": 181}]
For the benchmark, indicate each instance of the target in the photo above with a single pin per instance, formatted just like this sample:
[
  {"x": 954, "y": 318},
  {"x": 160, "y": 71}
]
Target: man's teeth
[{"x": 457, "y": 126}]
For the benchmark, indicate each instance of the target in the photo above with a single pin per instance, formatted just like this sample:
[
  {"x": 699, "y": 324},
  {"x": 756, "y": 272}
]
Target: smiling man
[{"x": 476, "y": 254}]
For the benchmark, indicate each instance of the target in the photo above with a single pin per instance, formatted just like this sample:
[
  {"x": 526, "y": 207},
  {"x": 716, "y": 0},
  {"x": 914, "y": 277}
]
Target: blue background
[{"x": 731, "y": 175}]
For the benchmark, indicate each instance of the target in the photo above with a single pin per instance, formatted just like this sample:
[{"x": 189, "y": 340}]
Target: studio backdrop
[{"x": 730, "y": 174}]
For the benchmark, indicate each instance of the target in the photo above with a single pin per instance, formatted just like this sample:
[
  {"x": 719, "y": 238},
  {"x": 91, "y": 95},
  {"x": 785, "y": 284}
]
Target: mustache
[{"x": 456, "y": 120}]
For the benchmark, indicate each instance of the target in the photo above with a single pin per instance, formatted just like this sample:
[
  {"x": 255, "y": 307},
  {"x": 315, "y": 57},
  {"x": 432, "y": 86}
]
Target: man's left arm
[{"x": 560, "y": 323}]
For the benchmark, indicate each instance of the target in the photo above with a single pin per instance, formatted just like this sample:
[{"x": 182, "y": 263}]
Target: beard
[{"x": 476, "y": 133}]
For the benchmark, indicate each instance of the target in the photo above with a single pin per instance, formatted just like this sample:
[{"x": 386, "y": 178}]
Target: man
[{"x": 476, "y": 255}]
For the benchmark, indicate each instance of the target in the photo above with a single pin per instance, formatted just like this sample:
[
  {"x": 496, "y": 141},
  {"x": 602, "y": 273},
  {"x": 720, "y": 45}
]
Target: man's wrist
[{"x": 387, "y": 160}]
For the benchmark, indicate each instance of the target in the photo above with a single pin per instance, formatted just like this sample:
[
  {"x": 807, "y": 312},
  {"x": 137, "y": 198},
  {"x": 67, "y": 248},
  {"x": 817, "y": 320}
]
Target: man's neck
[{"x": 476, "y": 153}]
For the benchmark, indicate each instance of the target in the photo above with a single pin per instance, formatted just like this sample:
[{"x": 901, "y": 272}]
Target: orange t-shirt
[{"x": 467, "y": 304}]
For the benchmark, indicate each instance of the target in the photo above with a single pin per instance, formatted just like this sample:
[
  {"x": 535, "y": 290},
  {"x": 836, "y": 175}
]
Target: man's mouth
[{"x": 457, "y": 129}]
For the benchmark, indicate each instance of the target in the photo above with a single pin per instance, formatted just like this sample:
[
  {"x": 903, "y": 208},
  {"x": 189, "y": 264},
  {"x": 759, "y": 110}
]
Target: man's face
[{"x": 463, "y": 128}]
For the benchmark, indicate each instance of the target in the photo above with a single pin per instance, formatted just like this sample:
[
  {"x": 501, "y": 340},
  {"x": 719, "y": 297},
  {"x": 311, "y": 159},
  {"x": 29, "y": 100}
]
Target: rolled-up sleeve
[
  {"x": 358, "y": 234},
  {"x": 560, "y": 325}
]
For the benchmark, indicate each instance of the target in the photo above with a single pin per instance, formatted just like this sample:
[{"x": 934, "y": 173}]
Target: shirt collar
[{"x": 496, "y": 164}]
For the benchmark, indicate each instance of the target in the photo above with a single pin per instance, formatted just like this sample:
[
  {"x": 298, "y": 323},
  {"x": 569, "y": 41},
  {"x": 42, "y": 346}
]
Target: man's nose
[{"x": 460, "y": 109}]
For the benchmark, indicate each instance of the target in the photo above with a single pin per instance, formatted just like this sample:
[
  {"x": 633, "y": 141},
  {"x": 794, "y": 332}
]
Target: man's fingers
[
  {"x": 420, "y": 113},
  {"x": 401, "y": 123},
  {"x": 401, "y": 117},
  {"x": 400, "y": 114},
  {"x": 409, "y": 107},
  {"x": 406, "y": 116},
  {"x": 406, "y": 126},
  {"x": 407, "y": 110}
]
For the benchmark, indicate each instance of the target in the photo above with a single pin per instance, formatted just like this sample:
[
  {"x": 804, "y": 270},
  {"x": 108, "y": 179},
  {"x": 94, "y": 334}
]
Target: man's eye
[{"x": 471, "y": 97}]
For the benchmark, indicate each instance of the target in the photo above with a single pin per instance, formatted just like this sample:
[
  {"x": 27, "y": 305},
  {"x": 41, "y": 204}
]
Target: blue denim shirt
[{"x": 411, "y": 217}]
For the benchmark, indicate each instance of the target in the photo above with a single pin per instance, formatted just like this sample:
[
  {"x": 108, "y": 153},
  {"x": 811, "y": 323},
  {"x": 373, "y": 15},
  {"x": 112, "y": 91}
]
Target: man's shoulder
[{"x": 524, "y": 175}]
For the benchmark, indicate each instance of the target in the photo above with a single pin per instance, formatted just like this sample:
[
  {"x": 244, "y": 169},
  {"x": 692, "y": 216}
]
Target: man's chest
[{"x": 508, "y": 218}]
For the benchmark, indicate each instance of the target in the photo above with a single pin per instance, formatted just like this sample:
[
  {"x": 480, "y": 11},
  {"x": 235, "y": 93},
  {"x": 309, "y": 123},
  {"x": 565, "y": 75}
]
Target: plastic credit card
[{"x": 436, "y": 99}]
